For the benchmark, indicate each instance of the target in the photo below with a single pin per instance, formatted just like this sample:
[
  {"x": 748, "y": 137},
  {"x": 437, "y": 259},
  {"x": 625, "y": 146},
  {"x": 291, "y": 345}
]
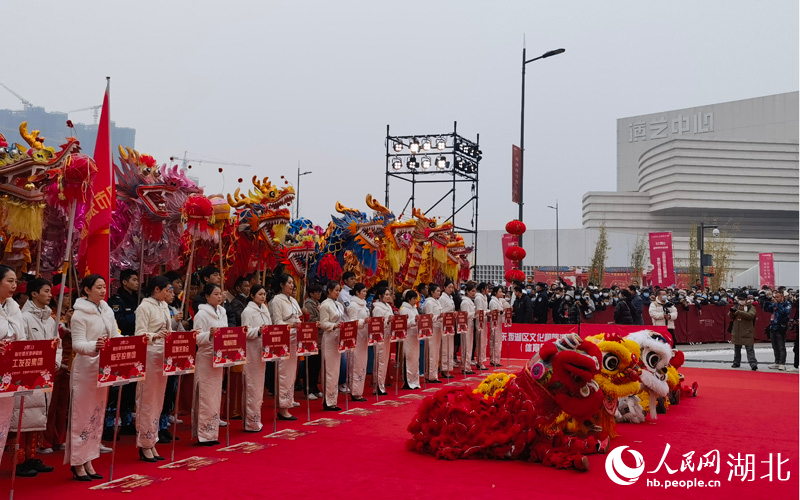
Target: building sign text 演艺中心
[{"x": 662, "y": 128}]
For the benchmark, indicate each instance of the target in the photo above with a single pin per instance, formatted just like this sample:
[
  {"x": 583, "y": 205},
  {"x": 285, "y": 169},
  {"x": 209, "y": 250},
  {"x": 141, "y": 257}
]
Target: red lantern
[
  {"x": 515, "y": 275},
  {"x": 515, "y": 253},
  {"x": 515, "y": 227}
]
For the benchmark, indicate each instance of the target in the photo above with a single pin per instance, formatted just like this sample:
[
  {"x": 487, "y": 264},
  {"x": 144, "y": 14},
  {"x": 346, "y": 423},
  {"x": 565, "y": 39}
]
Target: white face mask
[{"x": 742, "y": 302}]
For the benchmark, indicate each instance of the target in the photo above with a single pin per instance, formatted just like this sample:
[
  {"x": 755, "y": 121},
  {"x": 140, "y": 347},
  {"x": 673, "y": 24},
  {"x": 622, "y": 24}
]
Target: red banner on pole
[
  {"x": 508, "y": 240},
  {"x": 229, "y": 347},
  {"x": 307, "y": 339},
  {"x": 516, "y": 174},
  {"x": 662, "y": 260},
  {"x": 766, "y": 270},
  {"x": 179, "y": 350},
  {"x": 28, "y": 365},
  {"x": 425, "y": 325},
  {"x": 348, "y": 333},
  {"x": 399, "y": 326},
  {"x": 122, "y": 359},
  {"x": 375, "y": 330},
  {"x": 275, "y": 342},
  {"x": 449, "y": 323}
]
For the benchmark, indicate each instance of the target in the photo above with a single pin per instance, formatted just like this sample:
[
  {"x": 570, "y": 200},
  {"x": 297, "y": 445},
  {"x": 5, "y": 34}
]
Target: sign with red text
[
  {"x": 462, "y": 320},
  {"x": 179, "y": 351},
  {"x": 275, "y": 342},
  {"x": 425, "y": 325},
  {"x": 122, "y": 360},
  {"x": 307, "y": 339},
  {"x": 495, "y": 314},
  {"x": 508, "y": 315},
  {"x": 522, "y": 340},
  {"x": 661, "y": 259},
  {"x": 766, "y": 270},
  {"x": 348, "y": 333},
  {"x": 516, "y": 174},
  {"x": 375, "y": 330},
  {"x": 399, "y": 327},
  {"x": 27, "y": 365},
  {"x": 448, "y": 323},
  {"x": 479, "y": 315},
  {"x": 229, "y": 347}
]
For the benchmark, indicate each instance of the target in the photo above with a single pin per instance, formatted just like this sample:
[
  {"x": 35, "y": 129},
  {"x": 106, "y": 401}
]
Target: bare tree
[
  {"x": 639, "y": 257},
  {"x": 721, "y": 250},
  {"x": 598, "y": 265}
]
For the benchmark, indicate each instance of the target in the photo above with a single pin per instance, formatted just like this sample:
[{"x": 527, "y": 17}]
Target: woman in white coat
[
  {"x": 285, "y": 310},
  {"x": 210, "y": 317},
  {"x": 411, "y": 342},
  {"x": 496, "y": 336},
  {"x": 11, "y": 329},
  {"x": 92, "y": 324},
  {"x": 448, "y": 344},
  {"x": 153, "y": 321},
  {"x": 254, "y": 316},
  {"x": 383, "y": 350},
  {"x": 39, "y": 325},
  {"x": 433, "y": 345},
  {"x": 331, "y": 313},
  {"x": 357, "y": 311},
  {"x": 481, "y": 304},
  {"x": 468, "y": 305}
]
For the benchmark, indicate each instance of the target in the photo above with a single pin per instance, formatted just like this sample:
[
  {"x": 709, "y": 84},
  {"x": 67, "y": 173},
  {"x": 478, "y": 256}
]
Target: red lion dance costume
[{"x": 520, "y": 419}]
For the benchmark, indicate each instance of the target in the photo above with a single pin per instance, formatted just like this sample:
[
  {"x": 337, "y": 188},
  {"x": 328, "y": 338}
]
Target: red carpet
[{"x": 736, "y": 412}]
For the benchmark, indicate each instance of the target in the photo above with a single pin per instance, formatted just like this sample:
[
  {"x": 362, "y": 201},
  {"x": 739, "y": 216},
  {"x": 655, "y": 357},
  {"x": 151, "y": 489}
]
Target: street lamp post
[
  {"x": 297, "y": 194},
  {"x": 522, "y": 128},
  {"x": 557, "y": 261}
]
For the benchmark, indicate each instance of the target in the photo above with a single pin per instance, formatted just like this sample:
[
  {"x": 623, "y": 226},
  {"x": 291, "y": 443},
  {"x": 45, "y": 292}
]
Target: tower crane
[
  {"x": 25, "y": 103},
  {"x": 95, "y": 111},
  {"x": 185, "y": 161}
]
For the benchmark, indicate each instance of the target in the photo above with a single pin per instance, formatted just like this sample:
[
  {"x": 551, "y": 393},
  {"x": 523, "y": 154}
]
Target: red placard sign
[
  {"x": 307, "y": 339},
  {"x": 448, "y": 323},
  {"x": 766, "y": 270},
  {"x": 28, "y": 365},
  {"x": 508, "y": 315},
  {"x": 425, "y": 325},
  {"x": 399, "y": 326},
  {"x": 495, "y": 316},
  {"x": 348, "y": 332},
  {"x": 122, "y": 360},
  {"x": 661, "y": 259},
  {"x": 229, "y": 347},
  {"x": 462, "y": 318},
  {"x": 479, "y": 316},
  {"x": 179, "y": 351},
  {"x": 375, "y": 330},
  {"x": 275, "y": 342}
]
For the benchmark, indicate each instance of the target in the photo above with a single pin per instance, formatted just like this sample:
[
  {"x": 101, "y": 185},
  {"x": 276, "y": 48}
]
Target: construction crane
[
  {"x": 25, "y": 103},
  {"x": 185, "y": 161},
  {"x": 95, "y": 111}
]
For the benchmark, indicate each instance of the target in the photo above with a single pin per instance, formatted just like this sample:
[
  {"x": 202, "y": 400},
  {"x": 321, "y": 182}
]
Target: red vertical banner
[
  {"x": 375, "y": 330},
  {"x": 661, "y": 259},
  {"x": 766, "y": 270},
  {"x": 516, "y": 174},
  {"x": 508, "y": 240}
]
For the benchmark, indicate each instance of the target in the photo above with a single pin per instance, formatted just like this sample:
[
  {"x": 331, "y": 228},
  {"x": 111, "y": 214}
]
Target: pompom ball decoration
[
  {"x": 515, "y": 227},
  {"x": 515, "y": 253},
  {"x": 515, "y": 275},
  {"x": 221, "y": 211},
  {"x": 197, "y": 210}
]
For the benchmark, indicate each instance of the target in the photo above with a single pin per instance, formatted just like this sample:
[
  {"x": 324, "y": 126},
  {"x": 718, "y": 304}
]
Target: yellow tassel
[
  {"x": 440, "y": 254},
  {"x": 280, "y": 231},
  {"x": 23, "y": 220}
]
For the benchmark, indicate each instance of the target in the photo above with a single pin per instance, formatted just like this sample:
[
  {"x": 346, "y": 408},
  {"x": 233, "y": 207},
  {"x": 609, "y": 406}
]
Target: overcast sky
[{"x": 276, "y": 83}]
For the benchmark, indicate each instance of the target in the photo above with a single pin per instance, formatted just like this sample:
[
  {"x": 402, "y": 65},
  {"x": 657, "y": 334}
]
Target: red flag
[{"x": 94, "y": 255}]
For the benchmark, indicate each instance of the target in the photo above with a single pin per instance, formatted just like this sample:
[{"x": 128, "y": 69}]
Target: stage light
[
  {"x": 426, "y": 144},
  {"x": 412, "y": 163},
  {"x": 426, "y": 163},
  {"x": 414, "y": 147},
  {"x": 397, "y": 164},
  {"x": 441, "y": 163},
  {"x": 398, "y": 146},
  {"x": 440, "y": 144}
]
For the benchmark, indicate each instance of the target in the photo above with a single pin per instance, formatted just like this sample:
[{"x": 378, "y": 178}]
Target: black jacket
[
  {"x": 555, "y": 306},
  {"x": 637, "y": 303},
  {"x": 540, "y": 305},
  {"x": 522, "y": 310},
  {"x": 124, "y": 304},
  {"x": 622, "y": 313},
  {"x": 237, "y": 305},
  {"x": 569, "y": 313}
]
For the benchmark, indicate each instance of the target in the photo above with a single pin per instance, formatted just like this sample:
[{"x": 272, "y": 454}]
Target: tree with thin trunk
[
  {"x": 598, "y": 265},
  {"x": 639, "y": 257}
]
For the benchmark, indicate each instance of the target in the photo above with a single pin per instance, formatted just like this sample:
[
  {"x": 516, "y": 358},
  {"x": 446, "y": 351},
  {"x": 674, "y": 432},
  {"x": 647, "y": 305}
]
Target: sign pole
[
  {"x": 323, "y": 351},
  {"x": 175, "y": 423},
  {"x": 464, "y": 361},
  {"x": 308, "y": 393},
  {"x": 349, "y": 390},
  {"x": 228, "y": 410},
  {"x": 277, "y": 392},
  {"x": 426, "y": 363},
  {"x": 397, "y": 368},
  {"x": 375, "y": 374},
  {"x": 116, "y": 432},
  {"x": 16, "y": 446}
]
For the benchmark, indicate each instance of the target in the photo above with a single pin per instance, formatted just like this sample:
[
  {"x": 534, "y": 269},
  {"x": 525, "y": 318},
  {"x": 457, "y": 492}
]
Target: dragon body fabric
[{"x": 517, "y": 416}]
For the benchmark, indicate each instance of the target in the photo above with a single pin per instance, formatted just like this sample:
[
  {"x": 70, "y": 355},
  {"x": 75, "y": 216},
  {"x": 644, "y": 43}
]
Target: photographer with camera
[
  {"x": 743, "y": 321},
  {"x": 586, "y": 304},
  {"x": 664, "y": 313},
  {"x": 781, "y": 310}
]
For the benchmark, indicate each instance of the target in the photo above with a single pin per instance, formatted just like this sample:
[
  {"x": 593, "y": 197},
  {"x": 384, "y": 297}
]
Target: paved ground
[{"x": 720, "y": 356}]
